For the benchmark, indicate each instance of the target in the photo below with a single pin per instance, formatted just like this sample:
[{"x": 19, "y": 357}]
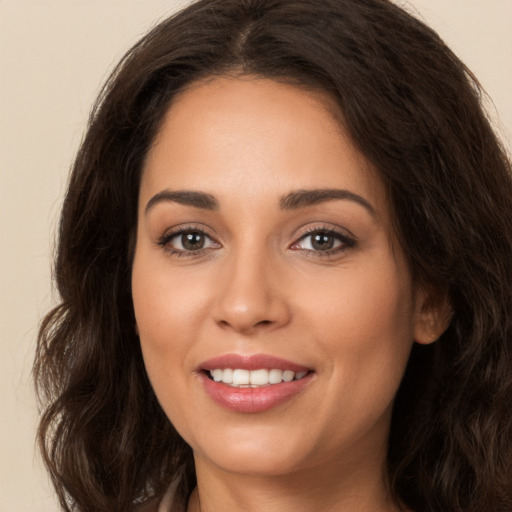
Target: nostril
[{"x": 239, "y": 326}]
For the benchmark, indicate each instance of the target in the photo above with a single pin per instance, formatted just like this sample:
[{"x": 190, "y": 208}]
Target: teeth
[
  {"x": 259, "y": 377},
  {"x": 288, "y": 375},
  {"x": 240, "y": 377},
  {"x": 275, "y": 376},
  {"x": 254, "y": 378},
  {"x": 227, "y": 375}
]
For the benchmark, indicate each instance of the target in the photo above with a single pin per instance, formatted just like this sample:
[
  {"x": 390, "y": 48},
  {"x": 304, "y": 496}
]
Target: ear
[{"x": 433, "y": 314}]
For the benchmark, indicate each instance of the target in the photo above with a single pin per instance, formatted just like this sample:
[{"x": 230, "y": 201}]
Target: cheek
[
  {"x": 171, "y": 310},
  {"x": 167, "y": 304},
  {"x": 166, "y": 315},
  {"x": 360, "y": 300},
  {"x": 163, "y": 310},
  {"x": 364, "y": 327}
]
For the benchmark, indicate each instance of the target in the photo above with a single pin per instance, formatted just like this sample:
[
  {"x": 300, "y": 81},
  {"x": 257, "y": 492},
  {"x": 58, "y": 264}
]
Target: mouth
[
  {"x": 241, "y": 378},
  {"x": 253, "y": 383}
]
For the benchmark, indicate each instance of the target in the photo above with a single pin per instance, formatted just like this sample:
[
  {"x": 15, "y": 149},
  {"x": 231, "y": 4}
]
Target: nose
[{"x": 250, "y": 297}]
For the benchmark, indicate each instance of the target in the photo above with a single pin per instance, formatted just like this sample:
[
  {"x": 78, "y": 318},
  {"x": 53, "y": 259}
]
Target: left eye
[{"x": 322, "y": 241}]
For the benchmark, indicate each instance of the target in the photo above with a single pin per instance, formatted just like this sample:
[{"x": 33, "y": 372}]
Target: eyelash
[
  {"x": 345, "y": 242},
  {"x": 165, "y": 241}
]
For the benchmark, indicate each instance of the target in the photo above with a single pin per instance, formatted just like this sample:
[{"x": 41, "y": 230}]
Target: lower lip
[{"x": 253, "y": 399}]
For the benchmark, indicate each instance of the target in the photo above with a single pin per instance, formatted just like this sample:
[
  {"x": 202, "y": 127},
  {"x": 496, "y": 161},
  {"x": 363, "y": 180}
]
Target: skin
[{"x": 258, "y": 285}]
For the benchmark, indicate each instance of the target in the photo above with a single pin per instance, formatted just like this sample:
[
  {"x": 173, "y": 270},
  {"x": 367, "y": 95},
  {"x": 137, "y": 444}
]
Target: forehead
[{"x": 241, "y": 136}]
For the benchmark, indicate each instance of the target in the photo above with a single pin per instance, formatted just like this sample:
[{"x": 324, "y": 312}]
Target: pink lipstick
[{"x": 252, "y": 383}]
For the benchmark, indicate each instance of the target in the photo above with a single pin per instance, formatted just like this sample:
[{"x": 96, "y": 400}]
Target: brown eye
[
  {"x": 322, "y": 241},
  {"x": 187, "y": 242},
  {"x": 192, "y": 241}
]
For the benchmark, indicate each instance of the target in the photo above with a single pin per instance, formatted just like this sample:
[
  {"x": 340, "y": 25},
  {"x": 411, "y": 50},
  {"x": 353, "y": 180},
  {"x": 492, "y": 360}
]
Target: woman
[{"x": 285, "y": 269}]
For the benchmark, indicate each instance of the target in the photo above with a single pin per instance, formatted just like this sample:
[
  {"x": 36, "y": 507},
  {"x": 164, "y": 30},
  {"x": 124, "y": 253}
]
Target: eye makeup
[{"x": 316, "y": 241}]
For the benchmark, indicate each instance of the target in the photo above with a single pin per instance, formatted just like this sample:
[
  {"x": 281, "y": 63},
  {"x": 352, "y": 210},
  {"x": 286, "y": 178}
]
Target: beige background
[{"x": 53, "y": 56}]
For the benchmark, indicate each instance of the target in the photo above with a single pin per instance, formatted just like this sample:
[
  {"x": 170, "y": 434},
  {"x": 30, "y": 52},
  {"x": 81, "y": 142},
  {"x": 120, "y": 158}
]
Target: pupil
[
  {"x": 192, "y": 241},
  {"x": 323, "y": 242}
]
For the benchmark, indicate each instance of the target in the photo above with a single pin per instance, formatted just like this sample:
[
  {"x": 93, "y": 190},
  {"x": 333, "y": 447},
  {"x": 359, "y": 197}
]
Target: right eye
[{"x": 187, "y": 241}]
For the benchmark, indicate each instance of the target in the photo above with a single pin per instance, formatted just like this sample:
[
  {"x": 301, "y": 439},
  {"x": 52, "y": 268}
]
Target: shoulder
[
  {"x": 171, "y": 501},
  {"x": 148, "y": 506},
  {"x": 159, "y": 506}
]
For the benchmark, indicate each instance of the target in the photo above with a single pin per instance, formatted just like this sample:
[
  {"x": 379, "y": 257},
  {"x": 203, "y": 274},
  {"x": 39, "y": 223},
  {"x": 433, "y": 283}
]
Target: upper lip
[{"x": 251, "y": 362}]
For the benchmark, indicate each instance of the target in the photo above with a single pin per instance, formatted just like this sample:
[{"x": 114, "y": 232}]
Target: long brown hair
[{"x": 414, "y": 110}]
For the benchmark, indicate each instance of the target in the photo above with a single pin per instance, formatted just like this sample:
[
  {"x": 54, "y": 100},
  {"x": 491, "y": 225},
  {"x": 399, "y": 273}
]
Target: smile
[
  {"x": 253, "y": 383},
  {"x": 239, "y": 377}
]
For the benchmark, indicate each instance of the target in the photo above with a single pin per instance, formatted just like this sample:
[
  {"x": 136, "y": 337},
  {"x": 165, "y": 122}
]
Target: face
[{"x": 275, "y": 312}]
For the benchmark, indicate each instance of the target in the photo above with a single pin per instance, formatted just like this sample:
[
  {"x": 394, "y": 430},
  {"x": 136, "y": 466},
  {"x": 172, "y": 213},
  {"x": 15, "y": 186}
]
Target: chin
[{"x": 255, "y": 451}]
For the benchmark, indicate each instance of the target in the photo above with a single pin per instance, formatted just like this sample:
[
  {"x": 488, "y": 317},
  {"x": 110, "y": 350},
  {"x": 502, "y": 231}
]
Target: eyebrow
[
  {"x": 186, "y": 197},
  {"x": 292, "y": 201},
  {"x": 303, "y": 198}
]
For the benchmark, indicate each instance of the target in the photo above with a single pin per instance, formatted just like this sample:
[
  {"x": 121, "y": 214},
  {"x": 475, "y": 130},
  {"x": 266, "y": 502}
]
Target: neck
[{"x": 351, "y": 490}]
